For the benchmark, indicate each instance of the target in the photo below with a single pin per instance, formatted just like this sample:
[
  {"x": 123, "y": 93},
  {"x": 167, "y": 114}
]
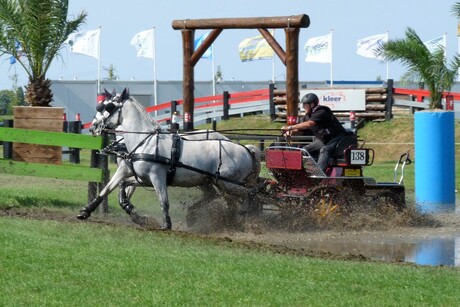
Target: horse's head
[{"x": 108, "y": 115}]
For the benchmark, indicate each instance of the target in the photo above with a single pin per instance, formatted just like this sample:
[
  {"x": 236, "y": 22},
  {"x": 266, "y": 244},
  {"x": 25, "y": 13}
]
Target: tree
[
  {"x": 429, "y": 67},
  {"x": 34, "y": 32},
  {"x": 112, "y": 72},
  {"x": 219, "y": 75}
]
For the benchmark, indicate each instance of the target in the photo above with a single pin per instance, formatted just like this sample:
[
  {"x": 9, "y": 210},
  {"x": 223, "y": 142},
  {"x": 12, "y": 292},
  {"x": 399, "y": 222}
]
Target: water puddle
[
  {"x": 436, "y": 251},
  {"x": 433, "y": 251}
]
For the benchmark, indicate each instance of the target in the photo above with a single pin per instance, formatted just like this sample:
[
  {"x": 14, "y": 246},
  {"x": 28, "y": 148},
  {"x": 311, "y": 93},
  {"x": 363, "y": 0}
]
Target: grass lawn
[{"x": 77, "y": 264}]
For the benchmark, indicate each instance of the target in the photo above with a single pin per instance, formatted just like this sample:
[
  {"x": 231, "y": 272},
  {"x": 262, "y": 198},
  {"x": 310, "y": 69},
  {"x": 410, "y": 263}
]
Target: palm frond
[
  {"x": 456, "y": 9},
  {"x": 429, "y": 67}
]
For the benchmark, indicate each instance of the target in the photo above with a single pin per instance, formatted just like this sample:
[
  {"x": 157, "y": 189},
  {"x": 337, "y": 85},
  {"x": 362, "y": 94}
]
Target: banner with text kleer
[
  {"x": 340, "y": 99},
  {"x": 255, "y": 48},
  {"x": 319, "y": 49},
  {"x": 143, "y": 42},
  {"x": 436, "y": 44},
  {"x": 86, "y": 42},
  {"x": 367, "y": 46}
]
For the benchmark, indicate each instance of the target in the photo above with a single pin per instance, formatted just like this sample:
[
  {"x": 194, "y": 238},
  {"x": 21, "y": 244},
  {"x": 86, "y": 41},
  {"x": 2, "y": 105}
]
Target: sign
[
  {"x": 340, "y": 99},
  {"x": 358, "y": 157}
]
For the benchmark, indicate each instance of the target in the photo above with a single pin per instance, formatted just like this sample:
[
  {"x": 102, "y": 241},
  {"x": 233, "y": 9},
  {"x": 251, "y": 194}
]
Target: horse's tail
[{"x": 253, "y": 176}]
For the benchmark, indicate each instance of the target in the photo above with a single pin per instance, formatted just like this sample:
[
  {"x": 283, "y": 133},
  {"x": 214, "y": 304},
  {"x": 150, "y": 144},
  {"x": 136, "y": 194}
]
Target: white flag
[
  {"x": 86, "y": 42},
  {"x": 208, "y": 53},
  {"x": 143, "y": 42},
  {"x": 436, "y": 44},
  {"x": 319, "y": 49},
  {"x": 367, "y": 47}
]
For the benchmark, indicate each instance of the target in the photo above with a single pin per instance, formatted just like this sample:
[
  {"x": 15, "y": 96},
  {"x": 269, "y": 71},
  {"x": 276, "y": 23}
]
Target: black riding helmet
[{"x": 309, "y": 99}]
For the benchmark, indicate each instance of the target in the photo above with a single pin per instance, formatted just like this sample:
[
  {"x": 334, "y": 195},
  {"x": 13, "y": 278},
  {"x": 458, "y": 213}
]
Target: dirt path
[{"x": 355, "y": 240}]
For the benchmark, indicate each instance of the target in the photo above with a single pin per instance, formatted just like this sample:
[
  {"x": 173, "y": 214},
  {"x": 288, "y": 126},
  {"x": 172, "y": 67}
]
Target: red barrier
[
  {"x": 210, "y": 101},
  {"x": 420, "y": 94}
]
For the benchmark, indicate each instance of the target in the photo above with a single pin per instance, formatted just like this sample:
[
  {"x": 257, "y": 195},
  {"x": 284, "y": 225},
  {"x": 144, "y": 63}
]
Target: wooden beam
[
  {"x": 274, "y": 44},
  {"x": 50, "y": 138},
  {"x": 205, "y": 45},
  {"x": 279, "y": 22},
  {"x": 64, "y": 171}
]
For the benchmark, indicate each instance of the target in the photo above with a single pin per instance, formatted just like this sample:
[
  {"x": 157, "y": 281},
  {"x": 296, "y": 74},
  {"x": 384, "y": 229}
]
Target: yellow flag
[{"x": 255, "y": 48}]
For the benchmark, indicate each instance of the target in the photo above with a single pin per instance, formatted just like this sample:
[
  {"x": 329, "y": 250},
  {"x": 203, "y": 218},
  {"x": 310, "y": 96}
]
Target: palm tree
[
  {"x": 456, "y": 9},
  {"x": 428, "y": 67},
  {"x": 34, "y": 31}
]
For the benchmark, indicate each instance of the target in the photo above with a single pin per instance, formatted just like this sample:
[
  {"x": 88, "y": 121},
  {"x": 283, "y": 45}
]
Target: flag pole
[
  {"x": 458, "y": 45},
  {"x": 444, "y": 37},
  {"x": 332, "y": 81},
  {"x": 273, "y": 61},
  {"x": 388, "y": 65},
  {"x": 99, "y": 63},
  {"x": 213, "y": 71},
  {"x": 155, "y": 85}
]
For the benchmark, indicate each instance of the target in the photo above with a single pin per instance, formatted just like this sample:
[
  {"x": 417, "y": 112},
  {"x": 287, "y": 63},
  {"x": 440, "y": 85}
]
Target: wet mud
[{"x": 394, "y": 236}]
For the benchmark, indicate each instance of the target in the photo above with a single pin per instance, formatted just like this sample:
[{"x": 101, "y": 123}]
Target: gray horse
[{"x": 166, "y": 159}]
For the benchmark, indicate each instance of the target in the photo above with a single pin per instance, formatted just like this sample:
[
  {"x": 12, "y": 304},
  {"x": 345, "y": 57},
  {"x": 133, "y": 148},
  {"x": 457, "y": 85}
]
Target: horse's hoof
[
  {"x": 166, "y": 227},
  {"x": 83, "y": 215}
]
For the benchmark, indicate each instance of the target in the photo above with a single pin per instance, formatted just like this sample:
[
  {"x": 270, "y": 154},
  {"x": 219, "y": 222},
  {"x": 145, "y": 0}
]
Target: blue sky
[{"x": 351, "y": 20}]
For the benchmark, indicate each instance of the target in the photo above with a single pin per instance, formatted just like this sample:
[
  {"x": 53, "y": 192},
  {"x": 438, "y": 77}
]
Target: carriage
[{"x": 300, "y": 185}]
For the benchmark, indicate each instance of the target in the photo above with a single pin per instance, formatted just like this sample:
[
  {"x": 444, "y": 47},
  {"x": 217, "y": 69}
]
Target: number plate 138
[{"x": 358, "y": 157}]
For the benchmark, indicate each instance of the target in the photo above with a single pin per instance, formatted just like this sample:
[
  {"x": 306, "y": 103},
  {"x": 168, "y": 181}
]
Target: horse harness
[{"x": 173, "y": 162}]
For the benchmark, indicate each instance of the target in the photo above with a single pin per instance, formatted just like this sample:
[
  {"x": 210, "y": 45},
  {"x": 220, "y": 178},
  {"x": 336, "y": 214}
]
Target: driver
[{"x": 324, "y": 125}]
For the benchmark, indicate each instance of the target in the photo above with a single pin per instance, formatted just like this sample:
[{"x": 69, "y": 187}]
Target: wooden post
[
  {"x": 74, "y": 153},
  {"x": 271, "y": 100},
  {"x": 226, "y": 105},
  {"x": 173, "y": 106},
  {"x": 389, "y": 102},
  {"x": 8, "y": 146},
  {"x": 292, "y": 74},
  {"x": 92, "y": 186},
  {"x": 103, "y": 164},
  {"x": 189, "y": 78}
]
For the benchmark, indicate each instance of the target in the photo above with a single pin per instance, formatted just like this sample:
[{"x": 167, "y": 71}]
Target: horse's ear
[
  {"x": 125, "y": 95},
  {"x": 107, "y": 94}
]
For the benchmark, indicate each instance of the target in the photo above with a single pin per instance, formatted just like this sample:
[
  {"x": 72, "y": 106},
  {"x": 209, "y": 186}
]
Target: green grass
[{"x": 77, "y": 264}]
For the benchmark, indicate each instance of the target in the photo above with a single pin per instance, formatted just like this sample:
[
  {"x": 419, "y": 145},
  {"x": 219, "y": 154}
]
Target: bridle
[{"x": 108, "y": 109}]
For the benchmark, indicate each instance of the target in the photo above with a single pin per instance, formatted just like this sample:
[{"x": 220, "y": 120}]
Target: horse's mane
[{"x": 148, "y": 118}]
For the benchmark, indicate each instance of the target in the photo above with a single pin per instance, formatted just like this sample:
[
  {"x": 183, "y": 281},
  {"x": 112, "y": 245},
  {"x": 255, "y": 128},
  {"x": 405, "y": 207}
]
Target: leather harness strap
[{"x": 174, "y": 162}]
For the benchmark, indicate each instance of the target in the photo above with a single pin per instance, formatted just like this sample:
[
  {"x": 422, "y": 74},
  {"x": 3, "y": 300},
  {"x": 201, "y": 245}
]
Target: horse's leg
[
  {"x": 121, "y": 173},
  {"x": 160, "y": 188},
  {"x": 124, "y": 196},
  {"x": 127, "y": 188}
]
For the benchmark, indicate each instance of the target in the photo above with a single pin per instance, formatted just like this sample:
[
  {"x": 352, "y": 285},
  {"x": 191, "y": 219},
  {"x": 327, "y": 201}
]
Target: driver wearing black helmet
[{"x": 324, "y": 125}]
